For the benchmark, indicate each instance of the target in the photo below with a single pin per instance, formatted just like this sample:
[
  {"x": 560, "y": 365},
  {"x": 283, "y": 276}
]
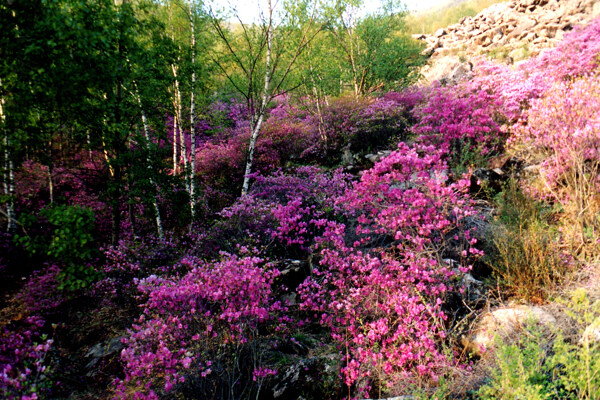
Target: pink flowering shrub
[
  {"x": 511, "y": 88},
  {"x": 576, "y": 55},
  {"x": 192, "y": 324},
  {"x": 458, "y": 121},
  {"x": 384, "y": 302},
  {"x": 561, "y": 131},
  {"x": 132, "y": 260},
  {"x": 73, "y": 186},
  {"x": 515, "y": 87},
  {"x": 24, "y": 373},
  {"x": 285, "y": 135}
]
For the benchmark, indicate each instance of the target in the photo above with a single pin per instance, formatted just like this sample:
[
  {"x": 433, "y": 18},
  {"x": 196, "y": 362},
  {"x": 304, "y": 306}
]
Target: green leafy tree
[
  {"x": 258, "y": 59},
  {"x": 376, "y": 51}
]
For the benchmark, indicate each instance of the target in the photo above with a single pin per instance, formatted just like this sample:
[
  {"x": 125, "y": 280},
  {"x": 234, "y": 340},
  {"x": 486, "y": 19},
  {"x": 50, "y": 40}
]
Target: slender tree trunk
[
  {"x": 350, "y": 52},
  {"x": 9, "y": 174},
  {"x": 12, "y": 226},
  {"x": 159, "y": 228},
  {"x": 177, "y": 119},
  {"x": 317, "y": 94},
  {"x": 178, "y": 132},
  {"x": 89, "y": 144},
  {"x": 51, "y": 181},
  {"x": 183, "y": 156},
  {"x": 192, "y": 183},
  {"x": 262, "y": 107}
]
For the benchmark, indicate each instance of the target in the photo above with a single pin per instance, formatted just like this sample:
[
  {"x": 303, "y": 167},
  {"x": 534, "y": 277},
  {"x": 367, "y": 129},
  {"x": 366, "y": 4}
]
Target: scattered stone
[
  {"x": 505, "y": 322},
  {"x": 591, "y": 334},
  {"x": 375, "y": 158},
  {"x": 511, "y": 25},
  {"x": 347, "y": 157},
  {"x": 291, "y": 273},
  {"x": 474, "y": 289},
  {"x": 102, "y": 351},
  {"x": 290, "y": 299},
  {"x": 307, "y": 376},
  {"x": 440, "y": 32},
  {"x": 448, "y": 70},
  {"x": 488, "y": 179}
]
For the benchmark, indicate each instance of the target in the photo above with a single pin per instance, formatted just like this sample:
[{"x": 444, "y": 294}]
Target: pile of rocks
[{"x": 514, "y": 30}]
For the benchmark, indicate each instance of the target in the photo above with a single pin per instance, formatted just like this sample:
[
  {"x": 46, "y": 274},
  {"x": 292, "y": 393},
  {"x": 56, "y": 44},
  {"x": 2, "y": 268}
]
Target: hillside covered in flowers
[{"x": 314, "y": 243}]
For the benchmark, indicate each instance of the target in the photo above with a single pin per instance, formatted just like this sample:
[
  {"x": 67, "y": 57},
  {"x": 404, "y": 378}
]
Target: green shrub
[
  {"x": 70, "y": 243},
  {"x": 521, "y": 370},
  {"x": 542, "y": 366}
]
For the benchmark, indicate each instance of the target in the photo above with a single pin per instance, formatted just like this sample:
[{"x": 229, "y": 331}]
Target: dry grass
[
  {"x": 528, "y": 256},
  {"x": 528, "y": 262}
]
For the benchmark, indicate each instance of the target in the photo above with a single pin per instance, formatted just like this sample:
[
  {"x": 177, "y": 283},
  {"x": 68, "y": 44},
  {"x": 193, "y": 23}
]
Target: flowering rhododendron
[
  {"x": 23, "y": 372},
  {"x": 561, "y": 131},
  {"x": 368, "y": 267},
  {"x": 188, "y": 320},
  {"x": 385, "y": 305},
  {"x": 288, "y": 207},
  {"x": 458, "y": 120}
]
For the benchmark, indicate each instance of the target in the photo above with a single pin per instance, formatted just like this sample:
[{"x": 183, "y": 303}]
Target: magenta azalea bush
[
  {"x": 188, "y": 323},
  {"x": 24, "y": 372},
  {"x": 561, "y": 133},
  {"x": 380, "y": 287}
]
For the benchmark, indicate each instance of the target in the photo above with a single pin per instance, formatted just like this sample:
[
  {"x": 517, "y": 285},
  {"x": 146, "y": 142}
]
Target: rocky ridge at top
[{"x": 511, "y": 30}]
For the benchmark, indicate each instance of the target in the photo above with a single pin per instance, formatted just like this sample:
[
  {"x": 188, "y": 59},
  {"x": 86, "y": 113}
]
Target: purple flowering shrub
[
  {"x": 283, "y": 212},
  {"x": 135, "y": 259},
  {"x": 459, "y": 122},
  {"x": 24, "y": 374},
  {"x": 575, "y": 55},
  {"x": 42, "y": 294},
  {"x": 76, "y": 185},
  {"x": 192, "y": 325}
]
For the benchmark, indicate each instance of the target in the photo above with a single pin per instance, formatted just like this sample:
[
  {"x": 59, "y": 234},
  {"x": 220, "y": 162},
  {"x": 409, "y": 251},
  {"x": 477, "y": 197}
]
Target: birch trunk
[
  {"x": 177, "y": 134},
  {"x": 192, "y": 184},
  {"x": 9, "y": 174},
  {"x": 159, "y": 228},
  {"x": 260, "y": 114},
  {"x": 51, "y": 181}
]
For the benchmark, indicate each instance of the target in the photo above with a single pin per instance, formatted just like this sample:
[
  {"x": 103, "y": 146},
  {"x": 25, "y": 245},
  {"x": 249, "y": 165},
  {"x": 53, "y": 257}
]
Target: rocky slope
[{"x": 511, "y": 31}]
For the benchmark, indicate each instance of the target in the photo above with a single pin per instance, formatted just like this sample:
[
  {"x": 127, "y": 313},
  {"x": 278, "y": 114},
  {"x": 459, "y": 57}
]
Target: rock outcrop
[
  {"x": 504, "y": 322},
  {"x": 511, "y": 31}
]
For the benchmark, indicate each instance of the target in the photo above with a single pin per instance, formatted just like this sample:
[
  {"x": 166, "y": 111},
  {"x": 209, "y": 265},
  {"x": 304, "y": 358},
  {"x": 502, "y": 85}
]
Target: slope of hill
[
  {"x": 511, "y": 31},
  {"x": 429, "y": 21}
]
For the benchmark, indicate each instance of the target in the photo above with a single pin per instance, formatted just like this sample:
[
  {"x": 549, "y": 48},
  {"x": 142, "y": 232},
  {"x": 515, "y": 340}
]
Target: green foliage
[
  {"x": 536, "y": 366},
  {"x": 72, "y": 238},
  {"x": 577, "y": 365},
  {"x": 515, "y": 208},
  {"x": 358, "y": 52},
  {"x": 70, "y": 243},
  {"x": 521, "y": 372}
]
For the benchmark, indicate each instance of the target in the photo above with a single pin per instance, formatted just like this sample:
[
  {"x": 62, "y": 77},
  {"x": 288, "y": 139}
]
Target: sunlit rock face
[{"x": 508, "y": 31}]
